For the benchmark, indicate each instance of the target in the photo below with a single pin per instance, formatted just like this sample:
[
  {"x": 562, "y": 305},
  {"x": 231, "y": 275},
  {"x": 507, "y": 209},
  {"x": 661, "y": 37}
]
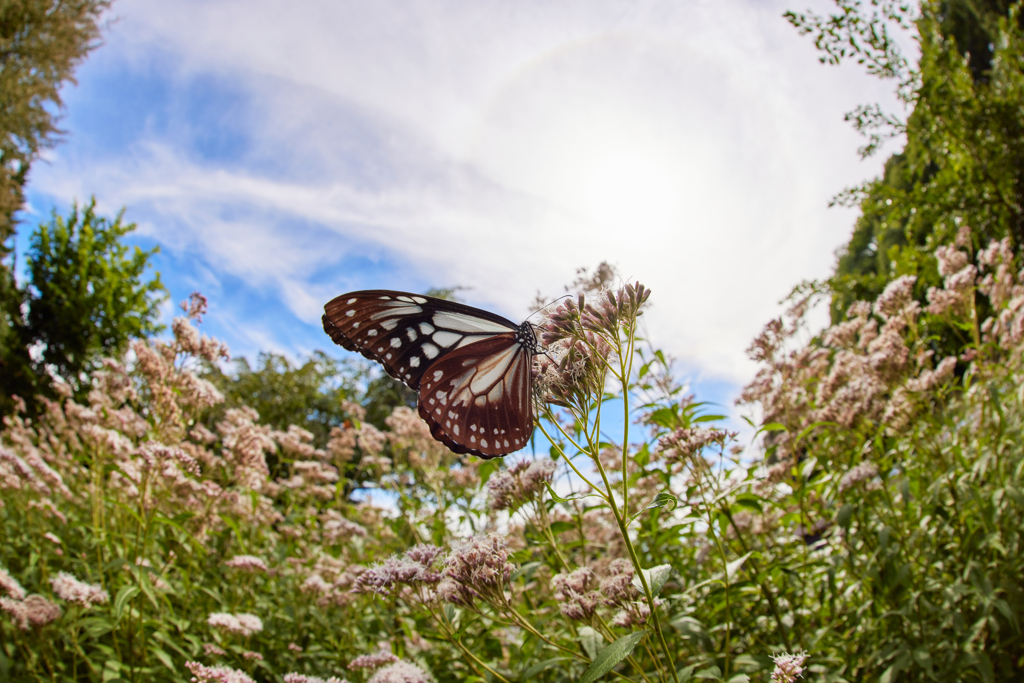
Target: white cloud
[{"x": 496, "y": 145}]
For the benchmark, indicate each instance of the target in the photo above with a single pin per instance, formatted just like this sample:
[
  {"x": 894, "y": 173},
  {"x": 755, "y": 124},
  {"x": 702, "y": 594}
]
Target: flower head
[
  {"x": 248, "y": 563},
  {"x": 11, "y": 586},
  {"x": 35, "y": 610},
  {"x": 788, "y": 667},
  {"x": 242, "y": 624},
  {"x": 216, "y": 674},
  {"x": 520, "y": 483},
  {"x": 70, "y": 589},
  {"x": 400, "y": 672},
  {"x": 476, "y": 568},
  {"x": 373, "y": 661}
]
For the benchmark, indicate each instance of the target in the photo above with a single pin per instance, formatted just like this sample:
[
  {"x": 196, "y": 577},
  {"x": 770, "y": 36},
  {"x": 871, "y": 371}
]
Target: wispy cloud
[{"x": 309, "y": 150}]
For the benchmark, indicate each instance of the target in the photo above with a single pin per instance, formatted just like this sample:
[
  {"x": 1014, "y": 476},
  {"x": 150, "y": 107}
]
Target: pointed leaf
[
  {"x": 123, "y": 597},
  {"x": 610, "y": 655},
  {"x": 575, "y": 496},
  {"x": 663, "y": 499},
  {"x": 656, "y": 578},
  {"x": 734, "y": 566}
]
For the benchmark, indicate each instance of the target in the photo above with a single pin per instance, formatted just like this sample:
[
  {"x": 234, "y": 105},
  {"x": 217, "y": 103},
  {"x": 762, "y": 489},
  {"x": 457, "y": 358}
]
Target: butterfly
[{"x": 471, "y": 368}]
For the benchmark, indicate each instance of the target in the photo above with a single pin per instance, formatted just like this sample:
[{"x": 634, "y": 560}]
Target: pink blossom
[
  {"x": 216, "y": 674},
  {"x": 242, "y": 624},
  {"x": 788, "y": 667},
  {"x": 35, "y": 610},
  {"x": 373, "y": 661},
  {"x": 249, "y": 655},
  {"x": 249, "y": 563},
  {"x": 865, "y": 471},
  {"x": 294, "y": 647},
  {"x": 70, "y": 589},
  {"x": 400, "y": 672},
  {"x": 9, "y": 584},
  {"x": 212, "y": 650},
  {"x": 303, "y": 678}
]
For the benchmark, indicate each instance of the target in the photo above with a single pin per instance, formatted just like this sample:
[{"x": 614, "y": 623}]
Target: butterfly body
[{"x": 471, "y": 368}]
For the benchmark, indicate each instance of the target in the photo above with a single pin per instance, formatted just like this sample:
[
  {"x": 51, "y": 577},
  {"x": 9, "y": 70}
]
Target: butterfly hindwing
[{"x": 477, "y": 399}]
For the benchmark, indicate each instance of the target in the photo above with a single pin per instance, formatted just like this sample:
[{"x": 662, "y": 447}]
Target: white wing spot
[
  {"x": 414, "y": 362},
  {"x": 385, "y": 298},
  {"x": 506, "y": 444},
  {"x": 448, "y": 423},
  {"x": 371, "y": 333},
  {"x": 438, "y": 375},
  {"x": 472, "y": 439},
  {"x": 426, "y": 328},
  {"x": 483, "y": 442},
  {"x": 389, "y": 324},
  {"x": 481, "y": 400},
  {"x": 446, "y": 338},
  {"x": 433, "y": 401},
  {"x": 388, "y": 356},
  {"x": 438, "y": 411},
  {"x": 419, "y": 299},
  {"x": 380, "y": 349},
  {"x": 405, "y": 298},
  {"x": 351, "y": 301},
  {"x": 495, "y": 431},
  {"x": 411, "y": 333},
  {"x": 395, "y": 342},
  {"x": 456, "y": 430},
  {"x": 350, "y": 313},
  {"x": 355, "y": 324},
  {"x": 473, "y": 427},
  {"x": 440, "y": 394},
  {"x": 430, "y": 351}
]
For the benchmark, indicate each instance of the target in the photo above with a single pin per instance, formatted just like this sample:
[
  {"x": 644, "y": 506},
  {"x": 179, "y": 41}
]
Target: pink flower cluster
[
  {"x": 477, "y": 568},
  {"x": 242, "y": 624},
  {"x": 520, "y": 483},
  {"x": 70, "y": 589},
  {"x": 248, "y": 563},
  {"x": 216, "y": 674}
]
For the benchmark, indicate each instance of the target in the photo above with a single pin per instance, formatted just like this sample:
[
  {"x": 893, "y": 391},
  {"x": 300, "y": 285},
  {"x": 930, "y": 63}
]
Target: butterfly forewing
[
  {"x": 471, "y": 367},
  {"x": 476, "y": 398},
  {"x": 406, "y": 333}
]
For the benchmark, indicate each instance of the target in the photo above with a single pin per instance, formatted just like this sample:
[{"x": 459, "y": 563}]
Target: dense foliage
[
  {"x": 41, "y": 43},
  {"x": 880, "y": 538},
  {"x": 85, "y": 296},
  {"x": 963, "y": 162}
]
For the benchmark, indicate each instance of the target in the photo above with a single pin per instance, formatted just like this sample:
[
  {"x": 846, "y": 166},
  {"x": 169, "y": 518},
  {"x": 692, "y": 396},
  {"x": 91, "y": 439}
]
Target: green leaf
[
  {"x": 164, "y": 658},
  {"x": 610, "y": 655},
  {"x": 663, "y": 499},
  {"x": 123, "y": 597},
  {"x": 523, "y": 569},
  {"x": 656, "y": 578},
  {"x": 590, "y": 640},
  {"x": 686, "y": 673},
  {"x": 740, "y": 678},
  {"x": 542, "y": 666},
  {"x": 845, "y": 516},
  {"x": 561, "y": 527},
  {"x": 734, "y": 566},
  {"x": 575, "y": 496}
]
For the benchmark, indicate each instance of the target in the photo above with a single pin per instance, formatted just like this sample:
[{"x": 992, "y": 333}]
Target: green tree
[
  {"x": 84, "y": 298},
  {"x": 963, "y": 163},
  {"x": 309, "y": 394},
  {"x": 41, "y": 44}
]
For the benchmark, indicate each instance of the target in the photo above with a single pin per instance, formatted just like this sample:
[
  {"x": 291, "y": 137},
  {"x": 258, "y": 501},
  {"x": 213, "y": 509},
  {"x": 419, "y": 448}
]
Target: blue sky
[{"x": 282, "y": 154}]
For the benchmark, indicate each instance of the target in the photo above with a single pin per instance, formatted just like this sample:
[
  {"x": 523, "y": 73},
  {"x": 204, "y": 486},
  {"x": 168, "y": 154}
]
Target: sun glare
[{"x": 630, "y": 190}]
